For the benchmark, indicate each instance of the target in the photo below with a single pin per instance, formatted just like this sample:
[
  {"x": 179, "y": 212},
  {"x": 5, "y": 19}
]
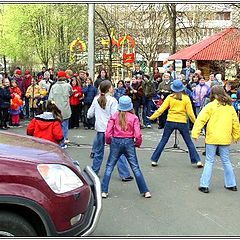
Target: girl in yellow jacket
[
  {"x": 179, "y": 108},
  {"x": 33, "y": 93},
  {"x": 222, "y": 129}
]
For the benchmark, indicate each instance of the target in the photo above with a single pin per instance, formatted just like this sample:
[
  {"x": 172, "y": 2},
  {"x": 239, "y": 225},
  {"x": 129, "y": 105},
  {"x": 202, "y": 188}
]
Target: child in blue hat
[{"x": 123, "y": 134}]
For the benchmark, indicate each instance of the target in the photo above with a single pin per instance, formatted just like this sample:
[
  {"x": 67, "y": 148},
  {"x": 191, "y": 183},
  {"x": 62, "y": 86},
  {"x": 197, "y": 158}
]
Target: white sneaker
[
  {"x": 199, "y": 164},
  {"x": 104, "y": 195},
  {"x": 64, "y": 146},
  {"x": 154, "y": 164},
  {"x": 147, "y": 195},
  {"x": 149, "y": 126},
  {"x": 66, "y": 141}
]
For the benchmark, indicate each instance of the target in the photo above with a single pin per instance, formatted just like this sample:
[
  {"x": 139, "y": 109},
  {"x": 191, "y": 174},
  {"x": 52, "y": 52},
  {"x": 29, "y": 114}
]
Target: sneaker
[
  {"x": 127, "y": 179},
  {"x": 149, "y": 126},
  {"x": 86, "y": 128},
  {"x": 64, "y": 146},
  {"x": 104, "y": 195},
  {"x": 203, "y": 189},
  {"x": 66, "y": 141},
  {"x": 199, "y": 164},
  {"x": 154, "y": 164},
  {"x": 147, "y": 195},
  {"x": 92, "y": 155},
  {"x": 234, "y": 188}
]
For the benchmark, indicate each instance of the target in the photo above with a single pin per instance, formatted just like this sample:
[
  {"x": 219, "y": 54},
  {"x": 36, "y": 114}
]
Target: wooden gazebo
[{"x": 223, "y": 46}]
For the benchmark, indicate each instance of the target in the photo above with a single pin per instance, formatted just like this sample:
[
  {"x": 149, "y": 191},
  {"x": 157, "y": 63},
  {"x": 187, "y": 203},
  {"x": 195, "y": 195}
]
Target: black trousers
[
  {"x": 4, "y": 116},
  {"x": 74, "y": 120}
]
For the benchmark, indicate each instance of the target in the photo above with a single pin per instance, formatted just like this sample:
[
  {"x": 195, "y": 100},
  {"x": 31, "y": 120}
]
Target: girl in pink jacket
[{"x": 123, "y": 134}]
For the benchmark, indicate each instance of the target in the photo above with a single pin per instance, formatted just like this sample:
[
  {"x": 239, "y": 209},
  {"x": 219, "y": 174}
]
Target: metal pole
[{"x": 91, "y": 40}]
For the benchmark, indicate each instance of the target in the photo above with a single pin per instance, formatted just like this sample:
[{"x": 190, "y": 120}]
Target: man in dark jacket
[
  {"x": 90, "y": 91},
  {"x": 149, "y": 92},
  {"x": 5, "y": 97},
  {"x": 187, "y": 70}
]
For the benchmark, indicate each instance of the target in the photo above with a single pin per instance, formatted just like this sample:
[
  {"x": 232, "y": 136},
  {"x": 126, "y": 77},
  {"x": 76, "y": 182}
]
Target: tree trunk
[
  {"x": 5, "y": 63},
  {"x": 110, "y": 50},
  {"x": 172, "y": 13},
  {"x": 174, "y": 33}
]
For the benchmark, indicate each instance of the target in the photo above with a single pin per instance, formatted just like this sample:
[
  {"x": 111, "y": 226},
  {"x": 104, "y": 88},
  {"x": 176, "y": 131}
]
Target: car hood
[{"x": 26, "y": 148}]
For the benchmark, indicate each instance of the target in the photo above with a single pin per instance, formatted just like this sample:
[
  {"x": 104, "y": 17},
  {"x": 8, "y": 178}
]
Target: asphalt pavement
[{"x": 176, "y": 208}]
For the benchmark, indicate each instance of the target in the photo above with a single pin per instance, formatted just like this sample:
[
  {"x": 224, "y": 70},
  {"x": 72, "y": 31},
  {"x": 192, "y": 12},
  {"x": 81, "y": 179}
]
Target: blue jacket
[
  {"x": 5, "y": 97},
  {"x": 89, "y": 93},
  {"x": 236, "y": 105},
  {"x": 118, "y": 92},
  {"x": 184, "y": 71}
]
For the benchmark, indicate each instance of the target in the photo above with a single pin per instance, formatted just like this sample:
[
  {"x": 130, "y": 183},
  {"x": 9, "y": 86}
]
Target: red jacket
[
  {"x": 46, "y": 128},
  {"x": 16, "y": 101},
  {"x": 76, "y": 96}
]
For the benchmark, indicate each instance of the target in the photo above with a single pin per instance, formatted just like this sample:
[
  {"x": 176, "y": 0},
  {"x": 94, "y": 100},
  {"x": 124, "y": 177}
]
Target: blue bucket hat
[
  {"x": 125, "y": 104},
  {"x": 177, "y": 86}
]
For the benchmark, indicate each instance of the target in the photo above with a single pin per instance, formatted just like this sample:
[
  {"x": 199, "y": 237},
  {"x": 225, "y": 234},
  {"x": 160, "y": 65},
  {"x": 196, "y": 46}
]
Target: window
[{"x": 222, "y": 16}]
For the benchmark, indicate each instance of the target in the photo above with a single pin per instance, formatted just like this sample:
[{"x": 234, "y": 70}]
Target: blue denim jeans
[
  {"x": 94, "y": 144},
  {"x": 65, "y": 123},
  {"x": 98, "y": 149},
  {"x": 198, "y": 110},
  {"x": 184, "y": 131},
  {"x": 122, "y": 166},
  {"x": 229, "y": 176},
  {"x": 118, "y": 147},
  {"x": 147, "y": 111}
]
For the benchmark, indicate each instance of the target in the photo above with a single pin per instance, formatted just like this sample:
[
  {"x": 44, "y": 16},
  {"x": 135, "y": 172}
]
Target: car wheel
[{"x": 12, "y": 224}]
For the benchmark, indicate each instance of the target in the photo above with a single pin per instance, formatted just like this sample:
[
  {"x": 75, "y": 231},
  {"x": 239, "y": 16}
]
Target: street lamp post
[{"x": 91, "y": 38}]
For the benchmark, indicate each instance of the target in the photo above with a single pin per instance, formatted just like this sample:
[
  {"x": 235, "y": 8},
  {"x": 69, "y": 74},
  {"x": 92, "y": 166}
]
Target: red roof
[{"x": 224, "y": 45}]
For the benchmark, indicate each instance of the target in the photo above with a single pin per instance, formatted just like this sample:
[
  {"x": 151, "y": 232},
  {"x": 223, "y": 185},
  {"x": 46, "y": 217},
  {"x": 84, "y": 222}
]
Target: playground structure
[{"x": 123, "y": 55}]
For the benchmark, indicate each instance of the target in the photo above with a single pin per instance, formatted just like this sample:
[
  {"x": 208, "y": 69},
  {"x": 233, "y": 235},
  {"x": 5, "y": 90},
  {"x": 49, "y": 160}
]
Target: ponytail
[{"x": 104, "y": 88}]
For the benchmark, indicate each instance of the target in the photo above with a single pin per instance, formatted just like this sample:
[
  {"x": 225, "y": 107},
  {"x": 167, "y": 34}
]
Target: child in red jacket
[
  {"x": 75, "y": 101},
  {"x": 16, "y": 103},
  {"x": 48, "y": 124}
]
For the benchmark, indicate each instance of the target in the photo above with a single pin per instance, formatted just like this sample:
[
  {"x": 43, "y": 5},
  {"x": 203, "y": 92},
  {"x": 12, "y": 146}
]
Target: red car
[{"x": 43, "y": 192}]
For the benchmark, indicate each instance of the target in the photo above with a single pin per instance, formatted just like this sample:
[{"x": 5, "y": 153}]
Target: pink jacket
[{"x": 133, "y": 129}]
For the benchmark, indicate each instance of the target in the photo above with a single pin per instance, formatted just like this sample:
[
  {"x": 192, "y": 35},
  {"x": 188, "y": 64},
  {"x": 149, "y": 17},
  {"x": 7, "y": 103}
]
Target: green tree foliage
[{"x": 33, "y": 34}]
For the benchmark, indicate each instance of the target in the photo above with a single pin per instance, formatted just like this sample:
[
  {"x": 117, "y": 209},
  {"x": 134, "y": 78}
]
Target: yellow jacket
[
  {"x": 33, "y": 93},
  {"x": 222, "y": 124},
  {"x": 179, "y": 110}
]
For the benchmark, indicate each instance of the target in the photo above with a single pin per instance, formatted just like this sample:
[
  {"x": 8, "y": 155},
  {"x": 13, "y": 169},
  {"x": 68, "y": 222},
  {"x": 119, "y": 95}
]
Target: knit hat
[
  {"x": 61, "y": 74},
  {"x": 125, "y": 104},
  {"x": 177, "y": 86},
  {"x": 18, "y": 72}
]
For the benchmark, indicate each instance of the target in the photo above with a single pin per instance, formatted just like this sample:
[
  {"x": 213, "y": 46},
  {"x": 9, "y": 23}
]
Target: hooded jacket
[
  {"x": 47, "y": 127},
  {"x": 222, "y": 124}
]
